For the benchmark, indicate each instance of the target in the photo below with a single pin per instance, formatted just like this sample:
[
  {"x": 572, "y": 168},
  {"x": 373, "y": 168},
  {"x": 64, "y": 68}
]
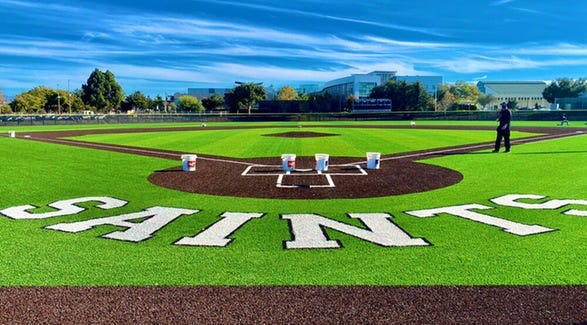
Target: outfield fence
[{"x": 72, "y": 119}]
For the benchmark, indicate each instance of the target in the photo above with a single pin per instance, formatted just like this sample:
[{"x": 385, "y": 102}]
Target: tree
[
  {"x": 136, "y": 101},
  {"x": 2, "y": 98},
  {"x": 465, "y": 93},
  {"x": 303, "y": 96},
  {"x": 418, "y": 98},
  {"x": 213, "y": 102},
  {"x": 94, "y": 90},
  {"x": 170, "y": 107},
  {"x": 157, "y": 104},
  {"x": 245, "y": 95},
  {"x": 102, "y": 91},
  {"x": 484, "y": 100},
  {"x": 271, "y": 92},
  {"x": 564, "y": 87},
  {"x": 190, "y": 104},
  {"x": 447, "y": 101},
  {"x": 114, "y": 92},
  {"x": 512, "y": 104},
  {"x": 76, "y": 102},
  {"x": 322, "y": 102},
  {"x": 404, "y": 96},
  {"x": 36, "y": 100},
  {"x": 27, "y": 103},
  {"x": 287, "y": 93},
  {"x": 350, "y": 102},
  {"x": 45, "y": 100},
  {"x": 57, "y": 100},
  {"x": 4, "y": 107}
]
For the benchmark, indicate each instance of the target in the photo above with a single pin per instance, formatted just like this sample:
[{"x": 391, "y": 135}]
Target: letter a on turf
[{"x": 155, "y": 219}]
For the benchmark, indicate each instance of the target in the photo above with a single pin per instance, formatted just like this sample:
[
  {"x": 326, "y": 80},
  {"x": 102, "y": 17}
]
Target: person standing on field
[
  {"x": 503, "y": 130},
  {"x": 564, "y": 120}
]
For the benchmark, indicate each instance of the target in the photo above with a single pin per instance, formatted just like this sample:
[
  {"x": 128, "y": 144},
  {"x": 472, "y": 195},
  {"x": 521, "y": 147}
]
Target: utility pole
[
  {"x": 68, "y": 96},
  {"x": 58, "y": 101},
  {"x": 435, "y": 97}
]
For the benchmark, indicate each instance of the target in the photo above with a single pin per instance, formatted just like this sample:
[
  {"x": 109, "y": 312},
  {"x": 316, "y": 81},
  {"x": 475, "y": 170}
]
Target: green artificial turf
[
  {"x": 462, "y": 252},
  {"x": 263, "y": 142}
]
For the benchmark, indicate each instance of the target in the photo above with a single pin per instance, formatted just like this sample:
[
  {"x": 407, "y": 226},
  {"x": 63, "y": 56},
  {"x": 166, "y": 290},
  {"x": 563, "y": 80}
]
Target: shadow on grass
[{"x": 170, "y": 171}]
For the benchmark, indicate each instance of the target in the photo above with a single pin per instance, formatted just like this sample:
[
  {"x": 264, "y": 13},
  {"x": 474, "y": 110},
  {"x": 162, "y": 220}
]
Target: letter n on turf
[{"x": 308, "y": 231}]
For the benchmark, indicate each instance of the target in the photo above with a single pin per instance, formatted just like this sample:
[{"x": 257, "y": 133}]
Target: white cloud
[
  {"x": 476, "y": 64},
  {"x": 421, "y": 30},
  {"x": 157, "y": 73},
  {"x": 406, "y": 44},
  {"x": 198, "y": 29},
  {"x": 562, "y": 49},
  {"x": 91, "y": 35},
  {"x": 501, "y": 2},
  {"x": 58, "y": 50},
  {"x": 38, "y": 5}
]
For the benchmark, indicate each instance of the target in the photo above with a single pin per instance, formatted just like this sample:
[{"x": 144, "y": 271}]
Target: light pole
[
  {"x": 58, "y": 100},
  {"x": 435, "y": 97},
  {"x": 68, "y": 96}
]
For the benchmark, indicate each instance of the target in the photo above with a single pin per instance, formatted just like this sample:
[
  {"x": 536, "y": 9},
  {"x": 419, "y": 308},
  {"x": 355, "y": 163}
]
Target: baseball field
[{"x": 439, "y": 227}]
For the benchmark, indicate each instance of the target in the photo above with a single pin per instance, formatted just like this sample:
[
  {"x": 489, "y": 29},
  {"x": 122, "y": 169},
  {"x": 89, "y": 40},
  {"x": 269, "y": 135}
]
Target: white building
[{"x": 528, "y": 94}]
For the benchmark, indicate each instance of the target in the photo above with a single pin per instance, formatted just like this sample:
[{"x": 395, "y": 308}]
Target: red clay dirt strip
[
  {"x": 294, "y": 305},
  {"x": 298, "y": 304}
]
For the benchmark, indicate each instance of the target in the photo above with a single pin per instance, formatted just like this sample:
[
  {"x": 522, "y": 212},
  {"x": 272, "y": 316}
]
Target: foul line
[
  {"x": 250, "y": 165},
  {"x": 471, "y": 148},
  {"x": 129, "y": 149}
]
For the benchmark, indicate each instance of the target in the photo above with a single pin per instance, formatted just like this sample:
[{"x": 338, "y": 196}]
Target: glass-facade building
[
  {"x": 202, "y": 93},
  {"x": 360, "y": 85}
]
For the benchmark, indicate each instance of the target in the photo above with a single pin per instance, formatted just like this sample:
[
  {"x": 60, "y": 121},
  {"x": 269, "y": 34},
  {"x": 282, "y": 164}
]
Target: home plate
[{"x": 304, "y": 181}]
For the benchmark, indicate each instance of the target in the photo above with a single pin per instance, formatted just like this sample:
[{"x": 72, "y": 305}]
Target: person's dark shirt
[{"x": 505, "y": 117}]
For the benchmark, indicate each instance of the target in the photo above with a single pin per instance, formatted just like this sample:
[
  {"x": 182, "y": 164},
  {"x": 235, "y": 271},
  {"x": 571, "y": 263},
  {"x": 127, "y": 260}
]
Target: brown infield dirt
[{"x": 399, "y": 174}]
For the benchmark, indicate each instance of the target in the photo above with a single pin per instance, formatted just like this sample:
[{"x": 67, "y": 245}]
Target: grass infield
[{"x": 461, "y": 252}]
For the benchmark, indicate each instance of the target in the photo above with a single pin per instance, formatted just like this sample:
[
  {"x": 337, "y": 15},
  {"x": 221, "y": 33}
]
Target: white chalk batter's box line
[
  {"x": 302, "y": 172},
  {"x": 279, "y": 182}
]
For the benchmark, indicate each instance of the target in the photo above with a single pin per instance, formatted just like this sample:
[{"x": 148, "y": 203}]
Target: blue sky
[{"x": 160, "y": 47}]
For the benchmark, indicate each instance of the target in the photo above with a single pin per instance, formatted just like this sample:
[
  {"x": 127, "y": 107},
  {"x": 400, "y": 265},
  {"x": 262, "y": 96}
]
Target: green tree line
[{"x": 102, "y": 93}]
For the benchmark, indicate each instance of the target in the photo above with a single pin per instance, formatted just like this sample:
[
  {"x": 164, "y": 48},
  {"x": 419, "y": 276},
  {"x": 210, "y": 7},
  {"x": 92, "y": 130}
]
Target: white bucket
[
  {"x": 188, "y": 163},
  {"x": 11, "y": 134},
  {"x": 321, "y": 162},
  {"x": 288, "y": 162},
  {"x": 373, "y": 160}
]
